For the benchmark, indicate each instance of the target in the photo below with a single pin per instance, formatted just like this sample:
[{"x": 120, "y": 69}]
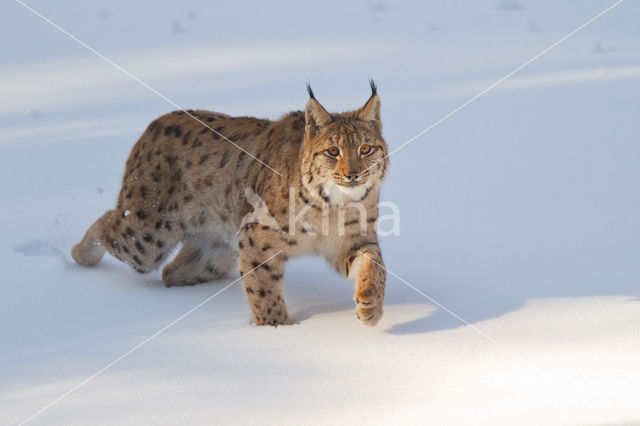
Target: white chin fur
[{"x": 345, "y": 194}]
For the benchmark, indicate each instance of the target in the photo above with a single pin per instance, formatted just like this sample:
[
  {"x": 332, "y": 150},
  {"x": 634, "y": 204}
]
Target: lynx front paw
[
  {"x": 273, "y": 319},
  {"x": 368, "y": 311}
]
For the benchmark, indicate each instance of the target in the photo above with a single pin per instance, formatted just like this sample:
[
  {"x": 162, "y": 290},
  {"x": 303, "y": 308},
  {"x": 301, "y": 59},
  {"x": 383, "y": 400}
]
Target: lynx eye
[
  {"x": 334, "y": 151},
  {"x": 365, "y": 149}
]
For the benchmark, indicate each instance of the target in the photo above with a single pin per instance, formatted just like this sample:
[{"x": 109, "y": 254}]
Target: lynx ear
[
  {"x": 315, "y": 115},
  {"x": 370, "y": 112}
]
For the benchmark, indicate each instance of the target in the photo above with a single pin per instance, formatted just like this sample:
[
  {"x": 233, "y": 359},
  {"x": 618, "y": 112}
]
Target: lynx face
[{"x": 343, "y": 155}]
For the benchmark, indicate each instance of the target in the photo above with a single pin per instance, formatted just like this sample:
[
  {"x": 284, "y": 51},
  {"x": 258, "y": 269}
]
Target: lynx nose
[{"x": 351, "y": 176}]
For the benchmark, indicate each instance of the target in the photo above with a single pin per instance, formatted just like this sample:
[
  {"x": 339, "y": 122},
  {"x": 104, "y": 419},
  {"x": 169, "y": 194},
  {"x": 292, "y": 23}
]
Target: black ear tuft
[
  {"x": 310, "y": 91},
  {"x": 374, "y": 88}
]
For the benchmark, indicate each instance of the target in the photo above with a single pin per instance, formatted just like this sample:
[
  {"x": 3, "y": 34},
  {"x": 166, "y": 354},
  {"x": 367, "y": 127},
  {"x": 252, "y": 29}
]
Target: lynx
[{"x": 194, "y": 177}]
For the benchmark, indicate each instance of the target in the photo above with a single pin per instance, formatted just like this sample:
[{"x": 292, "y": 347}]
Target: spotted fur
[{"x": 185, "y": 182}]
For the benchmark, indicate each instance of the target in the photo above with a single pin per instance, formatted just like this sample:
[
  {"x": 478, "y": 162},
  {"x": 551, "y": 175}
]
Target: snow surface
[{"x": 519, "y": 214}]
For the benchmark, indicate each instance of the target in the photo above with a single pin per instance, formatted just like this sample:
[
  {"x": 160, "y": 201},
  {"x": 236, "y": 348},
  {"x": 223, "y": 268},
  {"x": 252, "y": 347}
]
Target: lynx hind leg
[
  {"x": 89, "y": 251},
  {"x": 139, "y": 241},
  {"x": 200, "y": 260}
]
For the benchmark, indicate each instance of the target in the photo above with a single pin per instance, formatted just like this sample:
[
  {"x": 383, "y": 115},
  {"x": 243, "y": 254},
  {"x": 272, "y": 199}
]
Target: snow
[{"x": 519, "y": 216}]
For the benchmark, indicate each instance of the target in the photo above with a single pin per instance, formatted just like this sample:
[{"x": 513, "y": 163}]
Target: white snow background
[{"x": 519, "y": 213}]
